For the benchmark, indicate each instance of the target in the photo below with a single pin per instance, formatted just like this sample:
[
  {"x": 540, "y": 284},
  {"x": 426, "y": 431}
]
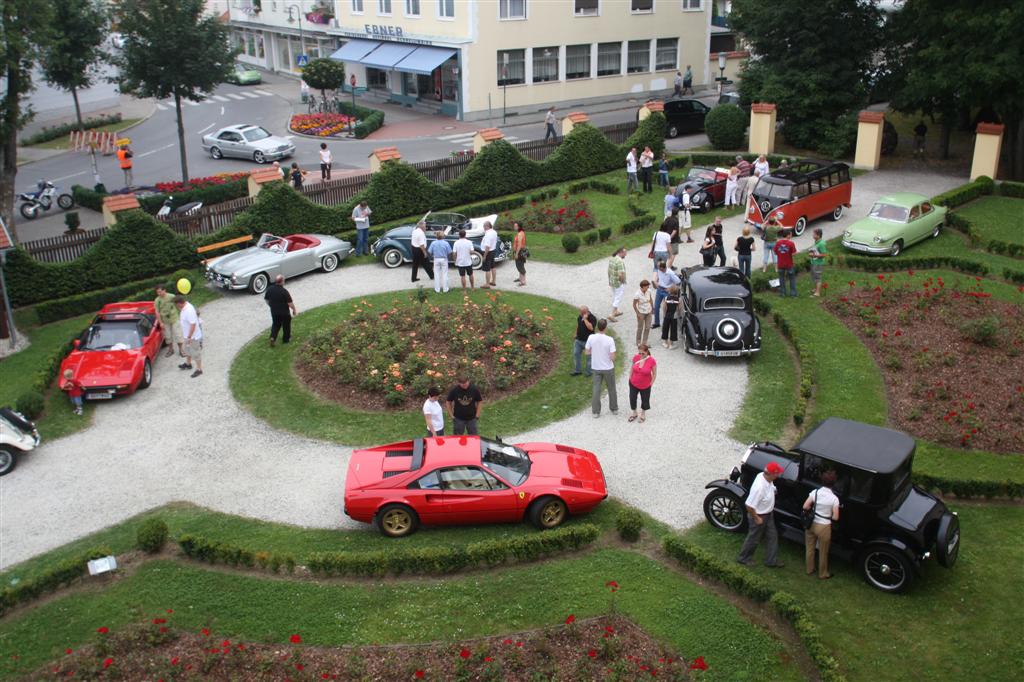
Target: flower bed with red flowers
[
  {"x": 177, "y": 186},
  {"x": 387, "y": 357},
  {"x": 951, "y": 354},
  {"x": 568, "y": 214},
  {"x": 604, "y": 648},
  {"x": 321, "y": 125}
]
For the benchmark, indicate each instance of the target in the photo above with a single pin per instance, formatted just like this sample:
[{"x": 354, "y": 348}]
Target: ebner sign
[{"x": 381, "y": 30}]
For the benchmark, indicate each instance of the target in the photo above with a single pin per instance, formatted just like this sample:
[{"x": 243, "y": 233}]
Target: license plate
[
  {"x": 727, "y": 353},
  {"x": 99, "y": 396}
]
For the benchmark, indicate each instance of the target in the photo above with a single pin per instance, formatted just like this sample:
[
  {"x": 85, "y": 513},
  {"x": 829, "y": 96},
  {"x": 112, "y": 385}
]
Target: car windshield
[
  {"x": 254, "y": 134},
  {"x": 241, "y": 69},
  {"x": 701, "y": 174},
  {"x": 111, "y": 336},
  {"x": 508, "y": 461},
  {"x": 772, "y": 190},
  {"x": 272, "y": 243},
  {"x": 883, "y": 211}
]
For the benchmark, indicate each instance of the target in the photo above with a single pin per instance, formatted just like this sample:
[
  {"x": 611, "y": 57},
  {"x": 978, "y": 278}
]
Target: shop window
[
  {"x": 511, "y": 67},
  {"x": 412, "y": 8},
  {"x": 384, "y": 7},
  {"x": 692, "y": 5},
  {"x": 512, "y": 9},
  {"x": 446, "y": 9},
  {"x": 586, "y": 8},
  {"x": 545, "y": 64},
  {"x": 577, "y": 61},
  {"x": 665, "y": 54},
  {"x": 250, "y": 46},
  {"x": 609, "y": 59},
  {"x": 641, "y": 6},
  {"x": 357, "y": 6},
  {"x": 638, "y": 58}
]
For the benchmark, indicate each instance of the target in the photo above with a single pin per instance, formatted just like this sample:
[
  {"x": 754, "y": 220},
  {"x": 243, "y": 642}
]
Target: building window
[
  {"x": 446, "y": 9},
  {"x": 692, "y": 5},
  {"x": 638, "y": 58},
  {"x": 512, "y": 9},
  {"x": 511, "y": 67},
  {"x": 665, "y": 55},
  {"x": 609, "y": 59},
  {"x": 586, "y": 8},
  {"x": 577, "y": 61},
  {"x": 384, "y": 7},
  {"x": 357, "y": 6},
  {"x": 641, "y": 6},
  {"x": 545, "y": 64},
  {"x": 412, "y": 8}
]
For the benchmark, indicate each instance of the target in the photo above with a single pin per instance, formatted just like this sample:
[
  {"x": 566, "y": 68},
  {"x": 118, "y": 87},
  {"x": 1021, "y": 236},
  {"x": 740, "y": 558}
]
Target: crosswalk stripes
[
  {"x": 250, "y": 95},
  {"x": 234, "y": 96},
  {"x": 263, "y": 92},
  {"x": 220, "y": 98},
  {"x": 191, "y": 103},
  {"x": 239, "y": 97},
  {"x": 466, "y": 139}
]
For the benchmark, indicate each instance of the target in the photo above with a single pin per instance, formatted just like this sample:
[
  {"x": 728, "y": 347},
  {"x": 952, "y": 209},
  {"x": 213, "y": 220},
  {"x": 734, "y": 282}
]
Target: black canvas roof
[
  {"x": 713, "y": 282},
  {"x": 872, "y": 448}
]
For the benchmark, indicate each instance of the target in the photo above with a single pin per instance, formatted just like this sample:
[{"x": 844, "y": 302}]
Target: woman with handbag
[
  {"x": 709, "y": 249},
  {"x": 520, "y": 252},
  {"x": 820, "y": 509}
]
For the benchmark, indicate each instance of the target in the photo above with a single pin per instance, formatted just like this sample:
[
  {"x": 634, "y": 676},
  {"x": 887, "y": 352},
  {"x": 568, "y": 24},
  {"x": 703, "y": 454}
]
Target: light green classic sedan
[
  {"x": 895, "y": 222},
  {"x": 244, "y": 75}
]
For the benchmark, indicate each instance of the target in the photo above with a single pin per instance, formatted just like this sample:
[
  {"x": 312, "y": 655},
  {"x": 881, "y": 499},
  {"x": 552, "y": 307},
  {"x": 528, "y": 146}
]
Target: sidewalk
[{"x": 128, "y": 107}]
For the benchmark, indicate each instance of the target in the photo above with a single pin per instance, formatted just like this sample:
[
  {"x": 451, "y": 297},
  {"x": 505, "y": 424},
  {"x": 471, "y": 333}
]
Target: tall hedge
[
  {"x": 650, "y": 133},
  {"x": 726, "y": 126},
  {"x": 498, "y": 169},
  {"x": 281, "y": 210},
  {"x": 136, "y": 247},
  {"x": 583, "y": 152}
]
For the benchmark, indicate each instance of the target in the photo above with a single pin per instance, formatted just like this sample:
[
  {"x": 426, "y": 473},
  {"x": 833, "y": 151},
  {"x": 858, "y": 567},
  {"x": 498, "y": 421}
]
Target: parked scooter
[
  {"x": 17, "y": 435},
  {"x": 185, "y": 209},
  {"x": 42, "y": 199}
]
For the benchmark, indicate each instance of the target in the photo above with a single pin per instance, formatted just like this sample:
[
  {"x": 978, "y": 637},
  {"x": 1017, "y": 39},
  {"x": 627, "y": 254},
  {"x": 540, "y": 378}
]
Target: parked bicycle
[{"x": 311, "y": 104}]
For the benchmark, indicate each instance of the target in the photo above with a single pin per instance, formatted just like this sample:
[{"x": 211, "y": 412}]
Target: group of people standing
[{"x": 433, "y": 258}]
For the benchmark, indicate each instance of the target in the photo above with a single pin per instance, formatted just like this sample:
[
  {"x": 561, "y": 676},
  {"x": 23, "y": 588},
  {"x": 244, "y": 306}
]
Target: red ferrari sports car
[
  {"x": 470, "y": 480},
  {"x": 115, "y": 355}
]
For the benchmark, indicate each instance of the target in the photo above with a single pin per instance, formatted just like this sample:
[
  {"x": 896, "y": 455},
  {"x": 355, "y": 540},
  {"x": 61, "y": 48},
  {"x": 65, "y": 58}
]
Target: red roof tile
[{"x": 120, "y": 202}]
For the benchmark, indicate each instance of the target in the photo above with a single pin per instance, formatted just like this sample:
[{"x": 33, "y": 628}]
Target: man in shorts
[
  {"x": 489, "y": 244},
  {"x": 192, "y": 330},
  {"x": 818, "y": 253},
  {"x": 463, "y": 250},
  {"x": 167, "y": 319}
]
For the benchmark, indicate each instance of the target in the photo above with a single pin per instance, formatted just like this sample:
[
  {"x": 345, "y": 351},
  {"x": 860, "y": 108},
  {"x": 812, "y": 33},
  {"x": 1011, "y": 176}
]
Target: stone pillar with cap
[
  {"x": 988, "y": 144},
  {"x": 870, "y": 125},
  {"x": 117, "y": 203},
  {"x": 572, "y": 120},
  {"x": 648, "y": 108},
  {"x": 382, "y": 154},
  {"x": 262, "y": 176},
  {"x": 762, "y": 128},
  {"x": 484, "y": 137}
]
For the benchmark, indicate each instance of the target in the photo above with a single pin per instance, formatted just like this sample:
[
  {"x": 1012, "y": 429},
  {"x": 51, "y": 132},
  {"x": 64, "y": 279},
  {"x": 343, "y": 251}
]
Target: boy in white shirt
[
  {"x": 325, "y": 162},
  {"x": 463, "y": 250},
  {"x": 433, "y": 413}
]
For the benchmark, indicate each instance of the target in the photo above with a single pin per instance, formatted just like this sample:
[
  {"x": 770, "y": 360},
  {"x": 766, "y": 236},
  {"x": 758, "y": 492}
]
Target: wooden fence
[{"x": 209, "y": 219}]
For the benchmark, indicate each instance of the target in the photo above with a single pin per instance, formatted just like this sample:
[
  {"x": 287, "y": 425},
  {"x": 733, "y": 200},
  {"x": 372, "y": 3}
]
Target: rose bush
[
  {"x": 567, "y": 215},
  {"x": 321, "y": 125},
  {"x": 177, "y": 186}
]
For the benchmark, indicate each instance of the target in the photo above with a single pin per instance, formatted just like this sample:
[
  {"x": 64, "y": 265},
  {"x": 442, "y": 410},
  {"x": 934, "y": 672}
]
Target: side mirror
[{"x": 77, "y": 343}]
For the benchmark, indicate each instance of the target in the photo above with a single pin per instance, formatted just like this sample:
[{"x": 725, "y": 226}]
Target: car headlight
[
  {"x": 846, "y": 234},
  {"x": 780, "y": 215},
  {"x": 877, "y": 239}
]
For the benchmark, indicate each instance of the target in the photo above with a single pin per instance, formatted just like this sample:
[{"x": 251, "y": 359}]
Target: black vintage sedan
[
  {"x": 395, "y": 246},
  {"x": 887, "y": 526},
  {"x": 717, "y": 313}
]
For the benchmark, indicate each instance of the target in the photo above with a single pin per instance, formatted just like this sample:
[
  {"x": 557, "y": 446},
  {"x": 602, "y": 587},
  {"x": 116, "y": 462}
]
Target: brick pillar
[
  {"x": 987, "y": 146},
  {"x": 382, "y": 154},
  {"x": 869, "y": 140},
  {"x": 649, "y": 108},
  {"x": 262, "y": 176},
  {"x": 485, "y": 137},
  {"x": 114, "y": 204},
  {"x": 762, "y": 128},
  {"x": 570, "y": 121}
]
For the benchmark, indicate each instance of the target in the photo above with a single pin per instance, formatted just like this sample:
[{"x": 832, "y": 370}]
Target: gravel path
[{"x": 187, "y": 439}]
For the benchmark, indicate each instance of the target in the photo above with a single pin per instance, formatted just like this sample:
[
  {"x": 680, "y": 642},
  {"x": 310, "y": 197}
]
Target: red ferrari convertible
[
  {"x": 115, "y": 355},
  {"x": 470, "y": 480}
]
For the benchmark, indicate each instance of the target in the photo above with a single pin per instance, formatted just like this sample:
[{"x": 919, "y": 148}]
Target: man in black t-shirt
[
  {"x": 464, "y": 402},
  {"x": 586, "y": 323},
  {"x": 719, "y": 244},
  {"x": 281, "y": 310}
]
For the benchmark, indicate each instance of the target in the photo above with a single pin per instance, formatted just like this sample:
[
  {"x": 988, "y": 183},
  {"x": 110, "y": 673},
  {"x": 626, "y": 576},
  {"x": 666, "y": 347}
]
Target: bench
[{"x": 219, "y": 245}]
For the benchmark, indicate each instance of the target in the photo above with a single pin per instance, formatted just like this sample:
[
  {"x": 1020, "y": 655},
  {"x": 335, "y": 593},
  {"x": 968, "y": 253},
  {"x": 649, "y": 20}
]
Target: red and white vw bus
[{"x": 805, "y": 191}]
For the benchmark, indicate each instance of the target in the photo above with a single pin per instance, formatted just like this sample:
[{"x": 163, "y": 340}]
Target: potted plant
[{"x": 72, "y": 221}]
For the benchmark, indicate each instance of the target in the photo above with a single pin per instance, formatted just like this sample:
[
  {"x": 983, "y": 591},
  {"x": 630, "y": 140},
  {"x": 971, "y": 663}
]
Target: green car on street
[
  {"x": 244, "y": 75},
  {"x": 895, "y": 222}
]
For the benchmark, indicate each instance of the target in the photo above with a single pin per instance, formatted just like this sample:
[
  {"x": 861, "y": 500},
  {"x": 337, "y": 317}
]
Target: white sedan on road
[{"x": 247, "y": 141}]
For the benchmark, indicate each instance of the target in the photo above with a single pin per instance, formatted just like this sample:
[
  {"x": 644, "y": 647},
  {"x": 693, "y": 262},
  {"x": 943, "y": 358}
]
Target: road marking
[
  {"x": 249, "y": 95},
  {"x": 220, "y": 98},
  {"x": 222, "y": 111},
  {"x": 205, "y": 129},
  {"x": 457, "y": 136},
  {"x": 161, "y": 107},
  {"x": 65, "y": 177},
  {"x": 469, "y": 143},
  {"x": 193, "y": 104},
  {"x": 264, "y": 93},
  {"x": 154, "y": 151},
  {"x": 234, "y": 96}
]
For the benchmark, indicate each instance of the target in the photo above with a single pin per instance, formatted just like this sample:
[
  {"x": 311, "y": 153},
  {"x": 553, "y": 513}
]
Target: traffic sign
[{"x": 302, "y": 59}]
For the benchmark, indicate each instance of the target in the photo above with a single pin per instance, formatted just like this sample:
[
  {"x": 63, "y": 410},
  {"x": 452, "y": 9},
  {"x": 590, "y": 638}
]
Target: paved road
[{"x": 187, "y": 439}]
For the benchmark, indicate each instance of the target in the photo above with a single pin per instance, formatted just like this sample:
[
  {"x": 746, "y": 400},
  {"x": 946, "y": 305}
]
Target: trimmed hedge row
[
  {"x": 868, "y": 264},
  {"x": 80, "y": 304},
  {"x": 1011, "y": 189},
  {"x": 213, "y": 194},
  {"x": 969, "y": 488},
  {"x": 369, "y": 119},
  {"x": 441, "y": 560},
  {"x": 49, "y": 580},
  {"x": 808, "y": 365},
  {"x": 958, "y": 196},
  {"x": 214, "y": 552},
  {"x": 52, "y": 133},
  {"x": 750, "y": 586}
]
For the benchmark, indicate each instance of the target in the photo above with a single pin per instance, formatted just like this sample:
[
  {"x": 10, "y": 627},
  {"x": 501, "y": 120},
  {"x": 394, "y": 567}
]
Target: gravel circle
[{"x": 188, "y": 439}]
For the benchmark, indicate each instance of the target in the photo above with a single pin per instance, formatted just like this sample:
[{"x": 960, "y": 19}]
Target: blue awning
[
  {"x": 387, "y": 55},
  {"x": 355, "y": 49},
  {"x": 424, "y": 60}
]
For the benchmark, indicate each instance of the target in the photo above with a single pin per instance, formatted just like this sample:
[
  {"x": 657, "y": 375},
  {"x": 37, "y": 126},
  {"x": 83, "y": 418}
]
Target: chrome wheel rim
[
  {"x": 392, "y": 258},
  {"x": 6, "y": 459},
  {"x": 330, "y": 262},
  {"x": 884, "y": 571},
  {"x": 259, "y": 284}
]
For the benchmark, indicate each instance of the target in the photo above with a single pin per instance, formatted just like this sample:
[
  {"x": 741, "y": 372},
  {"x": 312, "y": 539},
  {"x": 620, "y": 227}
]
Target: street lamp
[
  {"x": 298, "y": 12},
  {"x": 721, "y": 73}
]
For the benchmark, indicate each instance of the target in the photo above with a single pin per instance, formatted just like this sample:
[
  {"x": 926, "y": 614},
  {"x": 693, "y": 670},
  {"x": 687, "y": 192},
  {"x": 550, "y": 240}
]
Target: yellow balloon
[{"x": 184, "y": 286}]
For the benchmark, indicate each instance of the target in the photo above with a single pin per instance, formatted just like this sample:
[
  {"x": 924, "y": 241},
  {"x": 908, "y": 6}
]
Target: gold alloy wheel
[
  {"x": 552, "y": 514},
  {"x": 396, "y": 522}
]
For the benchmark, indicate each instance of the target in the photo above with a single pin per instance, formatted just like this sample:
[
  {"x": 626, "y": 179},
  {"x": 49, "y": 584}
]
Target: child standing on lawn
[{"x": 74, "y": 390}]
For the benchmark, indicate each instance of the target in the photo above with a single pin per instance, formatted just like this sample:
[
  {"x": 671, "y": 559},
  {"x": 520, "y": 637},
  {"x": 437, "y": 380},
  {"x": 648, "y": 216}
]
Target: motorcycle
[
  {"x": 42, "y": 199},
  {"x": 185, "y": 209},
  {"x": 18, "y": 435}
]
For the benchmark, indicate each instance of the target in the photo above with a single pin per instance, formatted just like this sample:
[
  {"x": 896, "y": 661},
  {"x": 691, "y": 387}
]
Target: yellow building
[{"x": 464, "y": 57}]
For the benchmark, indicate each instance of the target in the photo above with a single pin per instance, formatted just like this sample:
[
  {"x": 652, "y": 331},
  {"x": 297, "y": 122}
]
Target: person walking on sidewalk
[
  {"x": 298, "y": 177},
  {"x": 617, "y": 281},
  {"x": 677, "y": 91},
  {"x": 688, "y": 80},
  {"x": 586, "y": 322},
  {"x": 282, "y": 310},
  {"x": 124, "y": 158},
  {"x": 761, "y": 518},
  {"x": 520, "y": 252},
  {"x": 550, "y": 121},
  {"x": 420, "y": 258},
  {"x": 361, "y": 217},
  {"x": 325, "y": 162},
  {"x": 440, "y": 250},
  {"x": 601, "y": 349}
]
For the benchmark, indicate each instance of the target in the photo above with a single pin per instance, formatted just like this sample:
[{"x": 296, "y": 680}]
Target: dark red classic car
[
  {"x": 115, "y": 355},
  {"x": 706, "y": 187},
  {"x": 451, "y": 480}
]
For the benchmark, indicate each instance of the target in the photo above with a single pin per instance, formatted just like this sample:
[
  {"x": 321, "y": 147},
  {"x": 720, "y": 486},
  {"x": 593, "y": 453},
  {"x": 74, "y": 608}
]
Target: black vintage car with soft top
[
  {"x": 887, "y": 526},
  {"x": 716, "y": 312}
]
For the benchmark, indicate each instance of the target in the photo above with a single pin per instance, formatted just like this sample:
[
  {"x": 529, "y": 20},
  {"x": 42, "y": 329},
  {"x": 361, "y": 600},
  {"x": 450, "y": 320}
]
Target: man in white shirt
[
  {"x": 489, "y": 243},
  {"x": 664, "y": 280},
  {"x": 361, "y": 217},
  {"x": 601, "y": 349},
  {"x": 463, "y": 250},
  {"x": 420, "y": 258},
  {"x": 192, "y": 332},
  {"x": 685, "y": 225},
  {"x": 661, "y": 246},
  {"x": 325, "y": 162},
  {"x": 549, "y": 122},
  {"x": 433, "y": 413},
  {"x": 631, "y": 183},
  {"x": 761, "y": 518}
]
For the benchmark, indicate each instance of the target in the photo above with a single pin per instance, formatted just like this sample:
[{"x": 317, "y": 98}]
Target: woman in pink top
[{"x": 641, "y": 377}]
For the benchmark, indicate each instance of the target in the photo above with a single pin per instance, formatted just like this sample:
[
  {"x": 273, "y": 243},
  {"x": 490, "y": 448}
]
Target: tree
[
  {"x": 952, "y": 56},
  {"x": 810, "y": 59},
  {"x": 172, "y": 50},
  {"x": 73, "y": 51},
  {"x": 324, "y": 74}
]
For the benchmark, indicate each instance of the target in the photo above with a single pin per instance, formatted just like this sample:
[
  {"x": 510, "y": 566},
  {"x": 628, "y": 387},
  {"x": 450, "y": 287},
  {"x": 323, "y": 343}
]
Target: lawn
[
  {"x": 64, "y": 142},
  {"x": 954, "y": 624},
  {"x": 771, "y": 391},
  {"x": 996, "y": 217}
]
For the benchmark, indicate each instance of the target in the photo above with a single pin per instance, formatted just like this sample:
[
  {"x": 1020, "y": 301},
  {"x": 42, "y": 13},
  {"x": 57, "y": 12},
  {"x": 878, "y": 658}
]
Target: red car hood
[
  {"x": 102, "y": 367},
  {"x": 570, "y": 464}
]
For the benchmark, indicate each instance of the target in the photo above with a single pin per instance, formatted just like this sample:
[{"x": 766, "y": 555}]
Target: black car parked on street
[
  {"x": 684, "y": 116},
  {"x": 888, "y": 526}
]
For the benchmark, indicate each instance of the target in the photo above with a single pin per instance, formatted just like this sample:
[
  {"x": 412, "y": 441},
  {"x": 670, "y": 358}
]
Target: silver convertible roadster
[{"x": 256, "y": 267}]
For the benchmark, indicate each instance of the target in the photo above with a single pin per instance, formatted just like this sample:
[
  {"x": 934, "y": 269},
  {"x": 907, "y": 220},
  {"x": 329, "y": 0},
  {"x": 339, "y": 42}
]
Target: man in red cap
[{"x": 761, "y": 519}]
